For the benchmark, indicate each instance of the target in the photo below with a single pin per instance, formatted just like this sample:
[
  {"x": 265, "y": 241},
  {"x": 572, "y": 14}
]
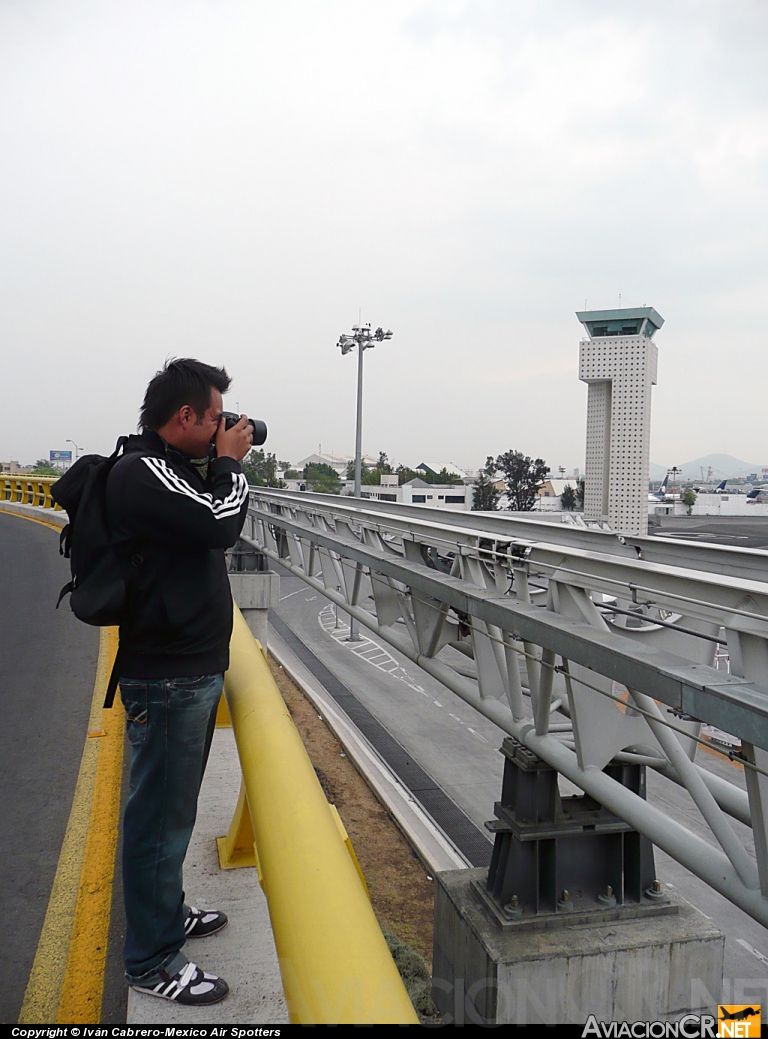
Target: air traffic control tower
[{"x": 619, "y": 362}]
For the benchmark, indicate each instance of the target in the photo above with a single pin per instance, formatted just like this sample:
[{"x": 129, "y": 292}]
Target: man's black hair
[{"x": 182, "y": 380}]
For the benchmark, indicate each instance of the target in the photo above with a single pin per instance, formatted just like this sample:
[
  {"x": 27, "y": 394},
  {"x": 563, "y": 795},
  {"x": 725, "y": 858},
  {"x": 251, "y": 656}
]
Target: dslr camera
[{"x": 259, "y": 428}]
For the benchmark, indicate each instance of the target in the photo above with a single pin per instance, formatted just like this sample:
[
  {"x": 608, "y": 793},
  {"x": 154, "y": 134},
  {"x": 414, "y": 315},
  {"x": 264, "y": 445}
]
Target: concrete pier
[{"x": 645, "y": 969}]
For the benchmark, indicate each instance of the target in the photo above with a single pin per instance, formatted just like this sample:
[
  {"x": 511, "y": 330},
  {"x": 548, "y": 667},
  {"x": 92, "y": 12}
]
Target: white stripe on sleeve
[{"x": 220, "y": 507}]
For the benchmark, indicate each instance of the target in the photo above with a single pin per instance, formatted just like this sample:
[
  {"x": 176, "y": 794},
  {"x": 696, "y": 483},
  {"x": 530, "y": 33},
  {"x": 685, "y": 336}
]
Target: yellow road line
[
  {"x": 74, "y": 935},
  {"x": 34, "y": 519},
  {"x": 83, "y": 986}
]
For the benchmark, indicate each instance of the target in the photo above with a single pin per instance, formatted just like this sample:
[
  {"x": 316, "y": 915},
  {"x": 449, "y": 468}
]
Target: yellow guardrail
[
  {"x": 335, "y": 964},
  {"x": 28, "y": 490}
]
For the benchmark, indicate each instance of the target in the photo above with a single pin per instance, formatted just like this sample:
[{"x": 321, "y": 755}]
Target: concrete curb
[
  {"x": 429, "y": 842},
  {"x": 54, "y": 516}
]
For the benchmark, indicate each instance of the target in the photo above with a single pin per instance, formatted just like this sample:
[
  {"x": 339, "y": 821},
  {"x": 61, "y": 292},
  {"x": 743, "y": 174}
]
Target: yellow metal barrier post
[
  {"x": 29, "y": 491},
  {"x": 334, "y": 961}
]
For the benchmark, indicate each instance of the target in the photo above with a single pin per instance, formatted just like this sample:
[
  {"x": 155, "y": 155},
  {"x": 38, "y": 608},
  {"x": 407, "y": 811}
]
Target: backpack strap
[
  {"x": 114, "y": 677},
  {"x": 67, "y": 588},
  {"x": 114, "y": 680}
]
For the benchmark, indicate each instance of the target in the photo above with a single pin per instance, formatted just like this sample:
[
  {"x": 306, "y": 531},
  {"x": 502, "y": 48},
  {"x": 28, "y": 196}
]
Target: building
[
  {"x": 454, "y": 497},
  {"x": 548, "y": 496},
  {"x": 729, "y": 505},
  {"x": 13, "y": 468},
  {"x": 619, "y": 363},
  {"x": 337, "y": 462},
  {"x": 435, "y": 468}
]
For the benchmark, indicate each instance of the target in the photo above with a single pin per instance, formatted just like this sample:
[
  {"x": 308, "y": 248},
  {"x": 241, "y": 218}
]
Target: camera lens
[{"x": 259, "y": 428}]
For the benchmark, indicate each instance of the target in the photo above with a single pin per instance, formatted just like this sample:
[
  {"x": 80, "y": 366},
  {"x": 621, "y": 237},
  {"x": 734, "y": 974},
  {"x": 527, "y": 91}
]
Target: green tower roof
[{"x": 627, "y": 321}]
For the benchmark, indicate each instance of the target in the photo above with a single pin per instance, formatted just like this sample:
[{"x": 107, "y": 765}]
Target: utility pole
[{"x": 364, "y": 339}]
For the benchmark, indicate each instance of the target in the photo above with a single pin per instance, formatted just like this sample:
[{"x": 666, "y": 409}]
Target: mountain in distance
[{"x": 724, "y": 467}]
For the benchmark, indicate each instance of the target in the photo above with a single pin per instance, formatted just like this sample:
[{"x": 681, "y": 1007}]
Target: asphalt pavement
[
  {"x": 47, "y": 669},
  {"x": 455, "y": 745},
  {"x": 738, "y": 531}
]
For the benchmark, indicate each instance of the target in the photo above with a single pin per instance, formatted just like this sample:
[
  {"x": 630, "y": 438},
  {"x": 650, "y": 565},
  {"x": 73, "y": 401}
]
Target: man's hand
[{"x": 235, "y": 442}]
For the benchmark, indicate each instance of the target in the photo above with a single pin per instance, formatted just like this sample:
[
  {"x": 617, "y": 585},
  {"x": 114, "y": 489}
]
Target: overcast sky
[{"x": 233, "y": 179}]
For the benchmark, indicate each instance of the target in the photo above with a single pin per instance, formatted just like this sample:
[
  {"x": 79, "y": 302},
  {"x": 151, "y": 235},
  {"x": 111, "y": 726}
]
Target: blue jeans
[{"x": 170, "y": 724}]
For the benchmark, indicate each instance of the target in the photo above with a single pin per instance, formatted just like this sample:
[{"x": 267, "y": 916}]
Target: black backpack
[{"x": 100, "y": 578}]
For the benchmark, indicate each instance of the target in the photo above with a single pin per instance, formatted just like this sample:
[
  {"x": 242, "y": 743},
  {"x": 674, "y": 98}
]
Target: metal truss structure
[{"x": 593, "y": 650}]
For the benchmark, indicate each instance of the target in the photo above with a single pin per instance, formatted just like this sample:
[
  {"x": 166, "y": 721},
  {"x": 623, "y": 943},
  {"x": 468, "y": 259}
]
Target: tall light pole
[
  {"x": 363, "y": 338},
  {"x": 77, "y": 449}
]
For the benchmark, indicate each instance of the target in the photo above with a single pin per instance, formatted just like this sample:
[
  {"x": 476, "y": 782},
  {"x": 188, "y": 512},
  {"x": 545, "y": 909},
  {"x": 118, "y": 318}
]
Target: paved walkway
[{"x": 244, "y": 952}]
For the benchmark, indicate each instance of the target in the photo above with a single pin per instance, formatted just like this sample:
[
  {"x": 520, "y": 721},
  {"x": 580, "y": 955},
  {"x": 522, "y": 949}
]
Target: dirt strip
[{"x": 402, "y": 892}]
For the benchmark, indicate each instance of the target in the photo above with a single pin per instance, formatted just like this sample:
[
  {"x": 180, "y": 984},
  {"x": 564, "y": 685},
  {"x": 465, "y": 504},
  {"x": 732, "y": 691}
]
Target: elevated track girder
[{"x": 588, "y": 648}]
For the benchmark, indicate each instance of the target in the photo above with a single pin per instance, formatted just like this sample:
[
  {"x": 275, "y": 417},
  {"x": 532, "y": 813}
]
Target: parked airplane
[
  {"x": 720, "y": 489},
  {"x": 661, "y": 494}
]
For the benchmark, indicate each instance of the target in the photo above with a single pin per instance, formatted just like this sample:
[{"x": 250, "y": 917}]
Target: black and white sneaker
[
  {"x": 190, "y": 986},
  {"x": 199, "y": 923}
]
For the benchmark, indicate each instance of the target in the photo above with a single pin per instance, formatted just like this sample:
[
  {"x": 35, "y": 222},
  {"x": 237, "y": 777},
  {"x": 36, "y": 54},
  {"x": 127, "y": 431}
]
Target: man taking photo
[{"x": 173, "y": 506}]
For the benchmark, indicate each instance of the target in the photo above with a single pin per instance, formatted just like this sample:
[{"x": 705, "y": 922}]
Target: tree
[
  {"x": 485, "y": 496},
  {"x": 260, "y": 469},
  {"x": 444, "y": 477},
  {"x": 373, "y": 475},
  {"x": 580, "y": 493},
  {"x": 42, "y": 467},
  {"x": 405, "y": 475},
  {"x": 523, "y": 477},
  {"x": 689, "y": 498},
  {"x": 364, "y": 471},
  {"x": 383, "y": 463},
  {"x": 322, "y": 478},
  {"x": 568, "y": 498}
]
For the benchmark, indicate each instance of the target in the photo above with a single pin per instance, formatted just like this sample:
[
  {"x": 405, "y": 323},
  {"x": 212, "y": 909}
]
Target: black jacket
[{"x": 174, "y": 526}]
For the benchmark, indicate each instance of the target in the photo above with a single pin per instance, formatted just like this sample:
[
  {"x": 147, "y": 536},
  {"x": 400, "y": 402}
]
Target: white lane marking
[
  {"x": 311, "y": 599},
  {"x": 290, "y": 594},
  {"x": 756, "y": 953},
  {"x": 366, "y": 649},
  {"x": 702, "y": 536},
  {"x": 374, "y": 653}
]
